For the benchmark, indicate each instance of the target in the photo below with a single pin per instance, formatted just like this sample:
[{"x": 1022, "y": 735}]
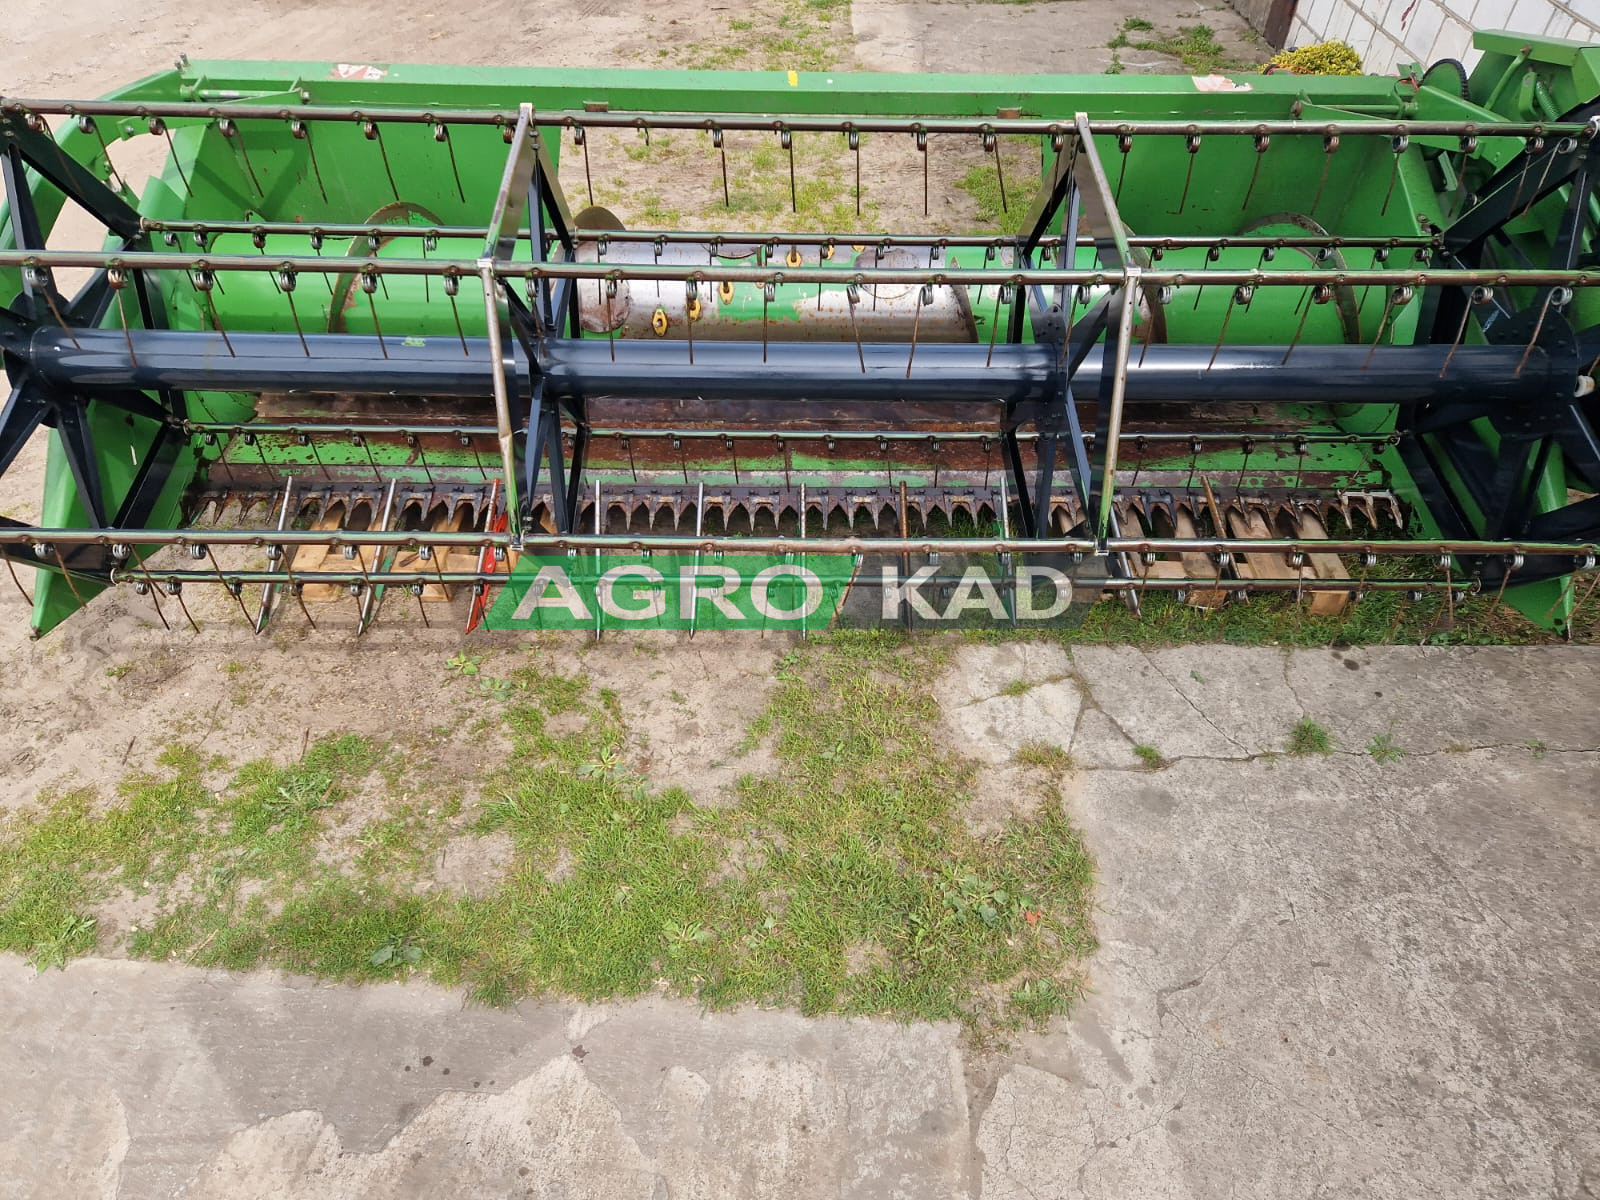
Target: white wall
[{"x": 1387, "y": 33}]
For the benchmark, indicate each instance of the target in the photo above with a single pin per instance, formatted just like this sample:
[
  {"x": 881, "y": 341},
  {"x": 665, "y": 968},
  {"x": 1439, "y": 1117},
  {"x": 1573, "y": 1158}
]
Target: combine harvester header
[{"x": 1325, "y": 335}]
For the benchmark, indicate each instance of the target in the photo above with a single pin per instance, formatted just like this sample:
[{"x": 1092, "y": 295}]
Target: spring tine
[
  {"x": 1330, "y": 146},
  {"x": 216, "y": 323},
  {"x": 1262, "y": 142},
  {"x": 316, "y": 457},
  {"x": 366, "y": 445},
  {"x": 302, "y": 132},
  {"x": 12, "y": 568},
  {"x": 88, "y": 125},
  {"x": 1383, "y": 323},
  {"x": 175, "y": 589},
  {"x": 232, "y": 132},
  {"x": 441, "y": 133},
  {"x": 1461, "y": 332},
  {"x": 122, "y": 315},
  {"x": 925, "y": 296},
  {"x": 216, "y": 569},
  {"x": 452, "y": 285},
  {"x": 718, "y": 140},
  {"x": 1241, "y": 295},
  {"x": 157, "y": 124},
  {"x": 1543, "y": 175},
  {"x": 1537, "y": 328},
  {"x": 1528, "y": 151},
  {"x": 286, "y": 286},
  {"x": 852, "y": 298},
  {"x": 994, "y": 328},
  {"x": 854, "y": 139},
  {"x": 422, "y": 609},
  {"x": 992, "y": 144},
  {"x": 786, "y": 140},
  {"x": 372, "y": 133},
  {"x": 299, "y": 590},
  {"x": 369, "y": 285},
  {"x": 1307, "y": 299},
  {"x": 580, "y": 135},
  {"x": 50, "y": 299},
  {"x": 422, "y": 458},
  {"x": 688, "y": 316},
  {"x": 1211, "y": 256},
  {"x": 150, "y": 587},
  {"x": 1192, "y": 144},
  {"x": 1400, "y": 143},
  {"x": 922, "y": 147},
  {"x": 316, "y": 246},
  {"x": 1124, "y": 147},
  {"x": 768, "y": 291}
]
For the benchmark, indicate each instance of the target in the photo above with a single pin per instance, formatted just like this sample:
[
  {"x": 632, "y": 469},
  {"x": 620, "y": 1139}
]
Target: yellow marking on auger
[{"x": 794, "y": 79}]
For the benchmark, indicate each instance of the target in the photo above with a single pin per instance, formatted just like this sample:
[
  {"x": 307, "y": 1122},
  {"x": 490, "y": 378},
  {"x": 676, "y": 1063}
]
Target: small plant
[
  {"x": 607, "y": 762},
  {"x": 1017, "y": 687},
  {"x": 1149, "y": 756},
  {"x": 683, "y": 938},
  {"x": 1536, "y": 747},
  {"x": 501, "y": 689},
  {"x": 1308, "y": 737},
  {"x": 1043, "y": 754},
  {"x": 74, "y": 936},
  {"x": 1383, "y": 750},
  {"x": 1324, "y": 58},
  {"x": 971, "y": 895},
  {"x": 401, "y": 950},
  {"x": 1195, "y": 46},
  {"x": 465, "y": 664},
  {"x": 1037, "y": 1000},
  {"x": 118, "y": 671}
]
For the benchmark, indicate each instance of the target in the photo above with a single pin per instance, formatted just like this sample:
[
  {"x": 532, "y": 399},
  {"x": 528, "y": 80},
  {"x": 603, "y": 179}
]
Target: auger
[{"x": 1267, "y": 333}]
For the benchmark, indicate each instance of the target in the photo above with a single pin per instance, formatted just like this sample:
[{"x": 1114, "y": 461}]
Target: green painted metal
[{"x": 265, "y": 173}]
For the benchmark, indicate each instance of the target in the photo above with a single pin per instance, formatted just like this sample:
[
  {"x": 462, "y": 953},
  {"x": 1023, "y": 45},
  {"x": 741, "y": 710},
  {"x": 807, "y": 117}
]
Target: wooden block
[
  {"x": 1323, "y": 566},
  {"x": 1197, "y": 566},
  {"x": 1263, "y": 565}
]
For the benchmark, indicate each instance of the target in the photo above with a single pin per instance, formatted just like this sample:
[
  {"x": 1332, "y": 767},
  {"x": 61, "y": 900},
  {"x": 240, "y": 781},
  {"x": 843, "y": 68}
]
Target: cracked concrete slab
[
  {"x": 140, "y": 1081},
  {"x": 1318, "y": 976}
]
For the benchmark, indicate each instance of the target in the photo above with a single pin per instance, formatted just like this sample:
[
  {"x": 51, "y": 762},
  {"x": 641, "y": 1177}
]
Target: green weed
[
  {"x": 1383, "y": 749},
  {"x": 1308, "y": 737}
]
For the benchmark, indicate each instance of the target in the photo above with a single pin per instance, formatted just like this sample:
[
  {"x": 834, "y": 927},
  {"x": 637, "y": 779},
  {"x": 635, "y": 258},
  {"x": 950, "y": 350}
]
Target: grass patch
[
  {"x": 1382, "y": 748},
  {"x": 1195, "y": 46},
  {"x": 1308, "y": 737},
  {"x": 847, "y": 881},
  {"x": 1149, "y": 756},
  {"x": 1042, "y": 754}
]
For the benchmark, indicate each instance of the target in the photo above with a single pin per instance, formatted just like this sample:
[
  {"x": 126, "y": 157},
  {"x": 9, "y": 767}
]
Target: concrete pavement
[{"x": 1322, "y": 976}]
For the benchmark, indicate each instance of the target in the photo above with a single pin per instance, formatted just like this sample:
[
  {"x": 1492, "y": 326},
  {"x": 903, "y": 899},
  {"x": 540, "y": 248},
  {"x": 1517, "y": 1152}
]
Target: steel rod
[
  {"x": 737, "y": 239},
  {"x": 795, "y": 371},
  {"x": 242, "y": 110},
  {"x": 43, "y": 539},
  {"x": 719, "y": 272},
  {"x": 379, "y": 429}
]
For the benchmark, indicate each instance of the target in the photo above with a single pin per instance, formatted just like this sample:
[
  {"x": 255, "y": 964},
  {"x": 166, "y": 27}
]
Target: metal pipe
[
  {"x": 1092, "y": 584},
  {"x": 798, "y": 123},
  {"x": 719, "y": 272},
  {"x": 783, "y": 238},
  {"x": 381, "y": 429},
  {"x": 45, "y": 541},
  {"x": 96, "y": 360}
]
